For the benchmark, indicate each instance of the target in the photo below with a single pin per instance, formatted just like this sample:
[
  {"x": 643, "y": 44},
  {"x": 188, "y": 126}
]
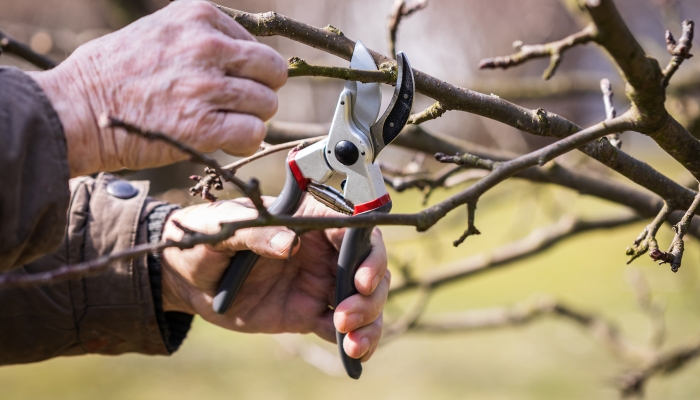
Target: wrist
[{"x": 79, "y": 124}]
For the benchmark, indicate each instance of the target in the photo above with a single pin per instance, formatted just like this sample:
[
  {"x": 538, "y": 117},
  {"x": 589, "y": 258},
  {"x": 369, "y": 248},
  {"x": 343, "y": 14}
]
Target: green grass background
[{"x": 547, "y": 359}]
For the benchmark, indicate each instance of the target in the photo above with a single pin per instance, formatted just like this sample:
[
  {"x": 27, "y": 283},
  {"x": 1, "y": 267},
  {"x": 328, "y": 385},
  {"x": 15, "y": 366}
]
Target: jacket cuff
[
  {"x": 173, "y": 325},
  {"x": 116, "y": 312}
]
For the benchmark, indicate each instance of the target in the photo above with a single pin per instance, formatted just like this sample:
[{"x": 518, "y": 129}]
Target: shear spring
[{"x": 332, "y": 198}]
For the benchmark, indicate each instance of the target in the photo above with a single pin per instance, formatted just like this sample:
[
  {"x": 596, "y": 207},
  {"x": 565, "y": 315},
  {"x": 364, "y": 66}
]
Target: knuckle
[
  {"x": 210, "y": 45},
  {"x": 201, "y": 10}
]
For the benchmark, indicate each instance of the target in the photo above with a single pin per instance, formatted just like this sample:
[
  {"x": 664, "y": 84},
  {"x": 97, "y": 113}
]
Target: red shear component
[
  {"x": 372, "y": 205},
  {"x": 301, "y": 181}
]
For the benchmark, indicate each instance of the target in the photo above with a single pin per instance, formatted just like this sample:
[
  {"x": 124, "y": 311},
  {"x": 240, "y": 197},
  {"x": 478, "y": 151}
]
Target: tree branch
[
  {"x": 537, "y": 122},
  {"x": 553, "y": 50},
  {"x": 11, "y": 46}
]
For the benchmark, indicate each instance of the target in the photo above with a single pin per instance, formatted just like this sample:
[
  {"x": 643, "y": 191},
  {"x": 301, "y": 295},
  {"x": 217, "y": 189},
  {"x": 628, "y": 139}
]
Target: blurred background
[{"x": 549, "y": 358}]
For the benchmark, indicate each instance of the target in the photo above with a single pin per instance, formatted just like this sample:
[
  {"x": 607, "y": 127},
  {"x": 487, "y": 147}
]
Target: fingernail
[
  {"x": 364, "y": 346},
  {"x": 281, "y": 241},
  {"x": 375, "y": 282},
  {"x": 353, "y": 321}
]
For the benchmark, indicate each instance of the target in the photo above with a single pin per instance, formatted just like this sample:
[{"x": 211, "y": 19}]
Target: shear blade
[
  {"x": 367, "y": 97},
  {"x": 396, "y": 115}
]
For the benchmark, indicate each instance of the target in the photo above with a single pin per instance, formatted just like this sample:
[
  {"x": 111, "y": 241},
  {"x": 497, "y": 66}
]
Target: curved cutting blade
[
  {"x": 367, "y": 97},
  {"x": 394, "y": 119}
]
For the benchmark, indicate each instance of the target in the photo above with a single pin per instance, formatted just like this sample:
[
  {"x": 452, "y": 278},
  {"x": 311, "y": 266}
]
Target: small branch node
[
  {"x": 679, "y": 51},
  {"x": 433, "y": 112},
  {"x": 471, "y": 229}
]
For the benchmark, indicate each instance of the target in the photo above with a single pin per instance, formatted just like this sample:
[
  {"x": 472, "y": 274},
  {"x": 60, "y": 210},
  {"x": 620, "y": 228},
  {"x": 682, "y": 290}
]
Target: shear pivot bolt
[{"x": 346, "y": 152}]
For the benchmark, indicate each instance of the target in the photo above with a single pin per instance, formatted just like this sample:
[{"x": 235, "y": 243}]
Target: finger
[
  {"x": 357, "y": 311},
  {"x": 374, "y": 267},
  {"x": 243, "y": 59},
  {"x": 253, "y": 60},
  {"x": 234, "y": 133},
  {"x": 238, "y": 95},
  {"x": 208, "y": 13},
  {"x": 272, "y": 242},
  {"x": 358, "y": 343}
]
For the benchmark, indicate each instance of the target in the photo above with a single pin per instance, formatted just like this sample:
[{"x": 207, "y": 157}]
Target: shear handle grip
[
  {"x": 353, "y": 251},
  {"x": 242, "y": 263}
]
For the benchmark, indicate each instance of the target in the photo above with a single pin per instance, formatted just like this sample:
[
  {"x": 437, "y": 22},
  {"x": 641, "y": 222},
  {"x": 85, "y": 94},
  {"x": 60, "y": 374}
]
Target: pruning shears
[{"x": 355, "y": 139}]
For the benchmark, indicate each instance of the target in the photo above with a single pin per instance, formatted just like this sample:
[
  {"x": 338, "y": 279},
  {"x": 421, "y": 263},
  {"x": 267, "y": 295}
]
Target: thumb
[{"x": 271, "y": 242}]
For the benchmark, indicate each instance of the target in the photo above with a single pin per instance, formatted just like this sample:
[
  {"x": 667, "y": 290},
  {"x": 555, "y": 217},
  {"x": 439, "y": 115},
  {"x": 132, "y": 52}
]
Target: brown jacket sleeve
[
  {"x": 34, "y": 171},
  {"x": 110, "y": 313},
  {"x": 115, "y": 312}
]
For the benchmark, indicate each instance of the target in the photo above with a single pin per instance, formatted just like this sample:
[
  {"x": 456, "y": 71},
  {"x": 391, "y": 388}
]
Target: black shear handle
[
  {"x": 353, "y": 251},
  {"x": 242, "y": 263}
]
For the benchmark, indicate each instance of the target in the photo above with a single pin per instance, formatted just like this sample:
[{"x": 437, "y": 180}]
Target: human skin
[
  {"x": 187, "y": 70},
  {"x": 280, "y": 294}
]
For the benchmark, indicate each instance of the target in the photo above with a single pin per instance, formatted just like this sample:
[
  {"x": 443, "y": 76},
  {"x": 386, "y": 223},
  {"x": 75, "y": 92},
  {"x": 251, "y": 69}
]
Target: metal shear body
[{"x": 355, "y": 139}]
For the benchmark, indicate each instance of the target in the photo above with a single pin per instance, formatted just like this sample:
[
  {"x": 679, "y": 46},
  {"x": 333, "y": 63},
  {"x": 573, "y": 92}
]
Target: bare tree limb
[
  {"x": 536, "y": 122},
  {"x": 553, "y": 50}
]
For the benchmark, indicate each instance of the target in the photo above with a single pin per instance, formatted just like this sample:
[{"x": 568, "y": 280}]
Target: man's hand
[
  {"x": 280, "y": 294},
  {"x": 187, "y": 70}
]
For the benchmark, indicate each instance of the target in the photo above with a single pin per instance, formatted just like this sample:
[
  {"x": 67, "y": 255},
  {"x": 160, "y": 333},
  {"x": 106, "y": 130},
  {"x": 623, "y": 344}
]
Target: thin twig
[
  {"x": 299, "y": 67},
  {"x": 646, "y": 241},
  {"x": 433, "y": 112},
  {"x": 553, "y": 50},
  {"x": 400, "y": 10},
  {"x": 679, "y": 51},
  {"x": 610, "y": 112},
  {"x": 251, "y": 189},
  {"x": 234, "y": 166},
  {"x": 675, "y": 251},
  {"x": 11, "y": 46}
]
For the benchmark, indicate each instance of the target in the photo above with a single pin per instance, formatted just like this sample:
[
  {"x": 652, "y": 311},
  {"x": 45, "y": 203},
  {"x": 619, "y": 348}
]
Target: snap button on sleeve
[{"x": 121, "y": 189}]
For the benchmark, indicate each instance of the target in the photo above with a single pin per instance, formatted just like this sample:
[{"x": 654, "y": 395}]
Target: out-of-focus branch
[
  {"x": 553, "y": 50},
  {"x": 11, "y": 46},
  {"x": 679, "y": 51},
  {"x": 537, "y": 241},
  {"x": 653, "y": 309},
  {"x": 632, "y": 383},
  {"x": 527, "y": 312},
  {"x": 400, "y": 10}
]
